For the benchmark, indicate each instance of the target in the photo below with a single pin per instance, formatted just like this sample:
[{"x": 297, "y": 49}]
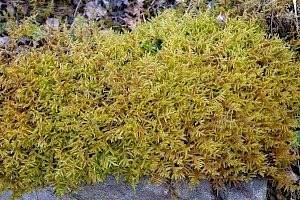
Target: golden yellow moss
[{"x": 173, "y": 99}]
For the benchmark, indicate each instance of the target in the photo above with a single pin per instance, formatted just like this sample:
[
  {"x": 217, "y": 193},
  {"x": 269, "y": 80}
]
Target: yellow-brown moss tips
[{"x": 191, "y": 99}]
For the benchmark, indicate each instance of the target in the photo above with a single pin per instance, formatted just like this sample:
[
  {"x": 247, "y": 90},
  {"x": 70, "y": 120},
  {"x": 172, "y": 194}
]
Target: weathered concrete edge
[{"x": 111, "y": 190}]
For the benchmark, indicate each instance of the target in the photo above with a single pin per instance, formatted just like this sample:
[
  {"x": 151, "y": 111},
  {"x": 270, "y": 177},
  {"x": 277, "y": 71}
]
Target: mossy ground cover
[{"x": 178, "y": 97}]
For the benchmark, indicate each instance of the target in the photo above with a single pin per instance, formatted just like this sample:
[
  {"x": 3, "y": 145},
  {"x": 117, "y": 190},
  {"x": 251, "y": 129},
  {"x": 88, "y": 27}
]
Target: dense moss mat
[{"x": 176, "y": 97}]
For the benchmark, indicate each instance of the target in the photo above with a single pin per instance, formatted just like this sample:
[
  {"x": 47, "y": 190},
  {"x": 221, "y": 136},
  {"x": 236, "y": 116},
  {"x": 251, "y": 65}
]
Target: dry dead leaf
[
  {"x": 52, "y": 22},
  {"x": 4, "y": 41},
  {"x": 105, "y": 32},
  {"x": 93, "y": 10},
  {"x": 294, "y": 176},
  {"x": 135, "y": 14},
  {"x": 221, "y": 18}
]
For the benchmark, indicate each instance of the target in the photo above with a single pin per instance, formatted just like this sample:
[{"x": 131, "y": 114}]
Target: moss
[{"x": 203, "y": 101}]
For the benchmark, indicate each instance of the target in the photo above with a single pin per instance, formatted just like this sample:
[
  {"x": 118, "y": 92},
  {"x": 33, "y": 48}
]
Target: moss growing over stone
[{"x": 176, "y": 97}]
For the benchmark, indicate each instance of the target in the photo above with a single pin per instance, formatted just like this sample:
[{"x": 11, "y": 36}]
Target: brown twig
[
  {"x": 185, "y": 13},
  {"x": 77, "y": 8}
]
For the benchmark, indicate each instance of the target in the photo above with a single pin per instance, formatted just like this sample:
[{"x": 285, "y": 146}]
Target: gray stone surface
[
  {"x": 5, "y": 195},
  {"x": 111, "y": 190},
  {"x": 202, "y": 191},
  {"x": 255, "y": 189},
  {"x": 44, "y": 194}
]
